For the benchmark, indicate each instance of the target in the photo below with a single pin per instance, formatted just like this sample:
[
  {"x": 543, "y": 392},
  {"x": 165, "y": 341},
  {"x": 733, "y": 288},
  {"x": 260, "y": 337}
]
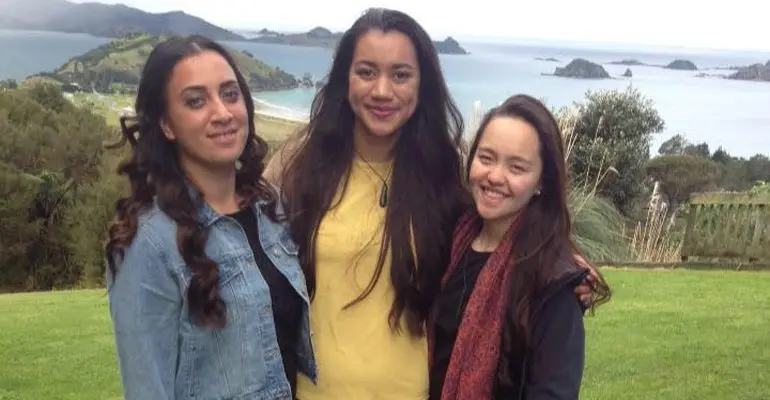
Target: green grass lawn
[
  {"x": 665, "y": 335},
  {"x": 57, "y": 346}
]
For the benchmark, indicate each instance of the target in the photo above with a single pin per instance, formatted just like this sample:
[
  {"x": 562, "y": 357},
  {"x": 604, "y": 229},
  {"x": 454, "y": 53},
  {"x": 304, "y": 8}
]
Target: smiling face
[
  {"x": 384, "y": 82},
  {"x": 206, "y": 113},
  {"x": 506, "y": 169}
]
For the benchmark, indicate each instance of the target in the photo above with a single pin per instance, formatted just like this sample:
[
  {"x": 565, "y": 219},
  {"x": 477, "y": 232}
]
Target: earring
[{"x": 238, "y": 165}]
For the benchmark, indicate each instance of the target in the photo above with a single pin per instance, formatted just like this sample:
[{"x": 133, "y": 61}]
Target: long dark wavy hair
[
  {"x": 547, "y": 241},
  {"x": 154, "y": 173},
  {"x": 427, "y": 188}
]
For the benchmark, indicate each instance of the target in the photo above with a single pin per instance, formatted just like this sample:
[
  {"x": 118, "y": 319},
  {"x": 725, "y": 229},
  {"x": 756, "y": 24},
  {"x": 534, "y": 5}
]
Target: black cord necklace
[{"x": 384, "y": 192}]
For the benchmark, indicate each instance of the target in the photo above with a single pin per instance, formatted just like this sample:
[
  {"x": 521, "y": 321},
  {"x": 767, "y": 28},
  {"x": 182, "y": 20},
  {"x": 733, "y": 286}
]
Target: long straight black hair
[{"x": 427, "y": 194}]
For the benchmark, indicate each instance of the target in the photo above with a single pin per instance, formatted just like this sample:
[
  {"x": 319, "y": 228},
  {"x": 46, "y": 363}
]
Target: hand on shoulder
[{"x": 282, "y": 158}]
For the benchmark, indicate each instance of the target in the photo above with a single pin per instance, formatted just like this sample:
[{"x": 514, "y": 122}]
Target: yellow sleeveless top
[{"x": 358, "y": 356}]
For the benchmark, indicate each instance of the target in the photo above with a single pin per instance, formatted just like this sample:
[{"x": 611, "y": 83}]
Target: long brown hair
[
  {"x": 154, "y": 173},
  {"x": 427, "y": 174},
  {"x": 548, "y": 240}
]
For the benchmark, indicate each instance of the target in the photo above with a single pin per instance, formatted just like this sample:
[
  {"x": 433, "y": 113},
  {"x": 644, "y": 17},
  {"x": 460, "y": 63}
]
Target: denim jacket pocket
[{"x": 283, "y": 253}]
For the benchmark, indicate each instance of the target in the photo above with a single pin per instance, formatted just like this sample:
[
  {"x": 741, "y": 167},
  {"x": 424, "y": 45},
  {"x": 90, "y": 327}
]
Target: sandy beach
[
  {"x": 275, "y": 123},
  {"x": 269, "y": 109},
  {"x": 275, "y": 128}
]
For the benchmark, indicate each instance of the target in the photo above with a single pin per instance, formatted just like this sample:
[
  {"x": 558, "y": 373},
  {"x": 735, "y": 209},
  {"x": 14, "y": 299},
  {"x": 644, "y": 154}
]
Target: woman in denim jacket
[{"x": 206, "y": 294}]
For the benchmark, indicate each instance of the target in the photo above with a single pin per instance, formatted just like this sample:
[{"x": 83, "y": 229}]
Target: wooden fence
[{"x": 728, "y": 225}]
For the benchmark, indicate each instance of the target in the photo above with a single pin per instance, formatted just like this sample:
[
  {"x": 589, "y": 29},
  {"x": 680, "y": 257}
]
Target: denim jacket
[{"x": 163, "y": 354}]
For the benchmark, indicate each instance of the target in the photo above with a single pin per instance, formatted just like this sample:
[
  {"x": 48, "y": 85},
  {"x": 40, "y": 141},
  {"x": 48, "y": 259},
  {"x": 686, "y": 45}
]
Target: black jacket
[{"x": 553, "y": 365}]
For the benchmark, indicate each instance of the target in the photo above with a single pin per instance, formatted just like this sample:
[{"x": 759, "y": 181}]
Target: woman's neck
[
  {"x": 372, "y": 148},
  {"x": 217, "y": 186},
  {"x": 492, "y": 233}
]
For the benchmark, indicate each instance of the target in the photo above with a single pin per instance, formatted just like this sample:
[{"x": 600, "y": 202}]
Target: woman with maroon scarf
[{"x": 507, "y": 324}]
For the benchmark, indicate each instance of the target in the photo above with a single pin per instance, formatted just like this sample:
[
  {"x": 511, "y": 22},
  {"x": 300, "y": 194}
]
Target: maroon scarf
[{"x": 473, "y": 365}]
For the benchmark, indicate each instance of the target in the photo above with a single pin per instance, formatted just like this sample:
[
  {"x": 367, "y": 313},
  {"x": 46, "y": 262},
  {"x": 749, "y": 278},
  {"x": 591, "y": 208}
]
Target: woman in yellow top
[{"x": 373, "y": 188}]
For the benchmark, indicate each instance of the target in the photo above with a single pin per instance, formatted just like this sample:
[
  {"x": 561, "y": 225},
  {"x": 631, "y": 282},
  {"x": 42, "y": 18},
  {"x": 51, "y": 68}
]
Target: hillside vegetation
[
  {"x": 105, "y": 20},
  {"x": 115, "y": 67}
]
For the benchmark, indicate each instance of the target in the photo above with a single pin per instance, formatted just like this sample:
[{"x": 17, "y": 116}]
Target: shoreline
[
  {"x": 287, "y": 118},
  {"x": 268, "y": 109},
  {"x": 275, "y": 123}
]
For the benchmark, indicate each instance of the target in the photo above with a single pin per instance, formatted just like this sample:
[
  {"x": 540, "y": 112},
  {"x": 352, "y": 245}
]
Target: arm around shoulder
[
  {"x": 281, "y": 159},
  {"x": 555, "y": 369},
  {"x": 145, "y": 306}
]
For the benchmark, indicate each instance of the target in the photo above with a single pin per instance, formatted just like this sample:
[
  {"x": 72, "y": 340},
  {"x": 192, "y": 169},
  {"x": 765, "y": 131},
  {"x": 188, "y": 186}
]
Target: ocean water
[{"x": 731, "y": 114}]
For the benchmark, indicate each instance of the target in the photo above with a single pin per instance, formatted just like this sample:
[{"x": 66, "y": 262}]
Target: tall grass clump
[
  {"x": 655, "y": 239},
  {"x": 597, "y": 225}
]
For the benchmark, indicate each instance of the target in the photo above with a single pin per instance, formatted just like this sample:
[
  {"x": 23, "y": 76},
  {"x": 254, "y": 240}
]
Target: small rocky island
[
  {"x": 449, "y": 46},
  {"x": 683, "y": 65},
  {"x": 583, "y": 69},
  {"x": 754, "y": 72}
]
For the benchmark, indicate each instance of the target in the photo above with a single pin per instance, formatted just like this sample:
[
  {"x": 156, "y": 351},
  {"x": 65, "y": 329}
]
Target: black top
[
  {"x": 554, "y": 366},
  {"x": 451, "y": 305},
  {"x": 286, "y": 302}
]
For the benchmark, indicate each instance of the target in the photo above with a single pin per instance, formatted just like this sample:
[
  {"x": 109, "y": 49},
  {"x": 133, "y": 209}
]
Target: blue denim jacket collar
[{"x": 207, "y": 215}]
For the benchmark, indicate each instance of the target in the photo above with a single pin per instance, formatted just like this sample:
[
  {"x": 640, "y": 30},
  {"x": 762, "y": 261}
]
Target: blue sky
[{"x": 736, "y": 24}]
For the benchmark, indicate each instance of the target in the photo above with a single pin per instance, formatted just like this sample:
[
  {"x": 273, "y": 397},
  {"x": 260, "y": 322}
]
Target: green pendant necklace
[{"x": 384, "y": 190}]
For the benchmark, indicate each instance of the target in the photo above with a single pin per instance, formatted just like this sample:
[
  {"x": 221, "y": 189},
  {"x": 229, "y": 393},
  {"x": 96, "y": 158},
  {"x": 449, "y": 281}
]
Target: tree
[
  {"x": 698, "y": 150},
  {"x": 88, "y": 218},
  {"x": 17, "y": 233},
  {"x": 721, "y": 156},
  {"x": 674, "y": 146},
  {"x": 49, "y": 151},
  {"x": 682, "y": 175},
  {"x": 758, "y": 168},
  {"x": 614, "y": 129},
  {"x": 741, "y": 174},
  {"x": 678, "y": 145},
  {"x": 50, "y": 98}
]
